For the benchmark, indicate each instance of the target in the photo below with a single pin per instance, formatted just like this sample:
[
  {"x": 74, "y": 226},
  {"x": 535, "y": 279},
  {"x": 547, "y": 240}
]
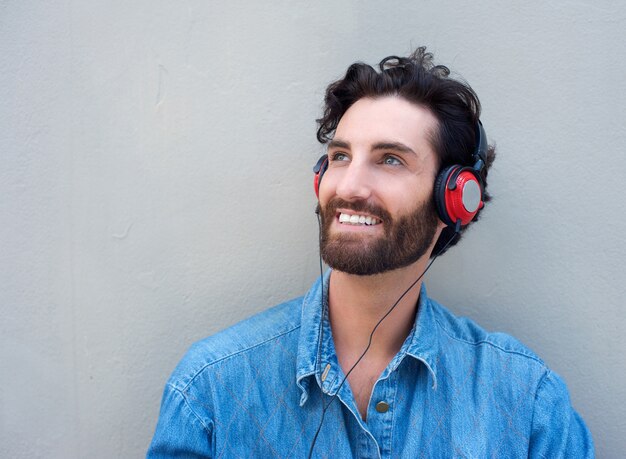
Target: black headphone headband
[{"x": 480, "y": 152}]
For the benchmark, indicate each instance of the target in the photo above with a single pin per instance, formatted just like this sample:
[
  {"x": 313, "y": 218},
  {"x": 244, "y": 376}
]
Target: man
[{"x": 365, "y": 364}]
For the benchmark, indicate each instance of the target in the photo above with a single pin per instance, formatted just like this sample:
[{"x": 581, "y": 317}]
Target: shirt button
[{"x": 382, "y": 407}]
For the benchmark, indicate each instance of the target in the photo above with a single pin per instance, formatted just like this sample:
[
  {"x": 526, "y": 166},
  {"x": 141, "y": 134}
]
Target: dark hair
[{"x": 416, "y": 79}]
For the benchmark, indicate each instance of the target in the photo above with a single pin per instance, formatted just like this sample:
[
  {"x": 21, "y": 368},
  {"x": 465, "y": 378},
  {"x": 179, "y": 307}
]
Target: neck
[{"x": 358, "y": 303}]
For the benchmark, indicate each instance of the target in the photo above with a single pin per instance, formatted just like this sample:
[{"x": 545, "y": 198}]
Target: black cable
[
  {"x": 321, "y": 333},
  {"x": 345, "y": 378}
]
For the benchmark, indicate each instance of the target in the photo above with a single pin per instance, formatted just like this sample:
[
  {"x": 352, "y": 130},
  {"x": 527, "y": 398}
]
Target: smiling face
[{"x": 376, "y": 199}]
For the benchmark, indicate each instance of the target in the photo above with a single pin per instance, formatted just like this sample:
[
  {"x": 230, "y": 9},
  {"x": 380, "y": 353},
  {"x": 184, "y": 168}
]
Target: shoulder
[
  {"x": 464, "y": 333},
  {"x": 511, "y": 380},
  {"x": 279, "y": 322}
]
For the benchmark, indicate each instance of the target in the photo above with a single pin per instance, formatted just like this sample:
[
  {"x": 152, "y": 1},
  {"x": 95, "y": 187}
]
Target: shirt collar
[
  {"x": 421, "y": 344},
  {"x": 310, "y": 334}
]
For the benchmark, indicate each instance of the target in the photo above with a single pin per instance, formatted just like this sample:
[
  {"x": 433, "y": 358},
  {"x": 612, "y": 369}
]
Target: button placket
[{"x": 381, "y": 412}]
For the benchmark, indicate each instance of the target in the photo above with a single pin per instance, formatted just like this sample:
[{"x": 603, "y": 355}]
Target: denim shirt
[{"x": 258, "y": 390}]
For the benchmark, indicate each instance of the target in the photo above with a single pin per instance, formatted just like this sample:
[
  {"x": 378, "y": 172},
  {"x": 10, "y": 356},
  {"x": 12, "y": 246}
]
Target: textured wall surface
[{"x": 155, "y": 187}]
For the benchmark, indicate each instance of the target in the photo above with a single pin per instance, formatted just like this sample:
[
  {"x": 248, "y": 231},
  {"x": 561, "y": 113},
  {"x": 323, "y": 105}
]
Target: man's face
[{"x": 376, "y": 199}]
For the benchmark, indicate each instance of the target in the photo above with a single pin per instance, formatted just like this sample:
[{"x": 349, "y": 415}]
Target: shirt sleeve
[
  {"x": 557, "y": 430},
  {"x": 180, "y": 432}
]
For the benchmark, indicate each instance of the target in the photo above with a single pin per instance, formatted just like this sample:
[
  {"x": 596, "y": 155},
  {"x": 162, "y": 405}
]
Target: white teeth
[{"x": 358, "y": 219}]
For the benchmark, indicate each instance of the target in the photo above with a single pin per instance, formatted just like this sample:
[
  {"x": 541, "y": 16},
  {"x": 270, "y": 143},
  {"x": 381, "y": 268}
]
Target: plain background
[{"x": 156, "y": 186}]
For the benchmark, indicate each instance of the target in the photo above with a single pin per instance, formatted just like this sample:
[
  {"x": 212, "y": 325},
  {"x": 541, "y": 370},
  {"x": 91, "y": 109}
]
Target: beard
[{"x": 405, "y": 240}]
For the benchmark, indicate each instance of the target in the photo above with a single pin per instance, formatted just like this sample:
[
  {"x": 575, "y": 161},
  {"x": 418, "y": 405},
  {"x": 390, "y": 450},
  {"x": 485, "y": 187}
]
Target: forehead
[{"x": 390, "y": 118}]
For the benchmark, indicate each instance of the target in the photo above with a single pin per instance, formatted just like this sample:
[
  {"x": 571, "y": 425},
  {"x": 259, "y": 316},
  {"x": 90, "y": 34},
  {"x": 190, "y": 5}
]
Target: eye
[
  {"x": 391, "y": 161},
  {"x": 338, "y": 156}
]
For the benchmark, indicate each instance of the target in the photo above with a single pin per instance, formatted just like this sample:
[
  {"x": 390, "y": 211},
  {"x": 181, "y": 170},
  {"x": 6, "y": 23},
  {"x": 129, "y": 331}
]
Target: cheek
[{"x": 407, "y": 200}]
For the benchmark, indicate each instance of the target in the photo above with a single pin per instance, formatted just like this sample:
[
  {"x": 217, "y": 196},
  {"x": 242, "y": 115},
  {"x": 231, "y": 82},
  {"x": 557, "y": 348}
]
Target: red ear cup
[
  {"x": 319, "y": 169},
  {"x": 458, "y": 195},
  {"x": 316, "y": 185}
]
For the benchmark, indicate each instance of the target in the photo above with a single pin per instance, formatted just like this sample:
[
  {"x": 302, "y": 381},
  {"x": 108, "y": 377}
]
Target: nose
[{"x": 355, "y": 182}]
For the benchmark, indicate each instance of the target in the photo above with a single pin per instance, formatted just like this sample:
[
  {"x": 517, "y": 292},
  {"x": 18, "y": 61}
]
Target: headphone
[{"x": 458, "y": 191}]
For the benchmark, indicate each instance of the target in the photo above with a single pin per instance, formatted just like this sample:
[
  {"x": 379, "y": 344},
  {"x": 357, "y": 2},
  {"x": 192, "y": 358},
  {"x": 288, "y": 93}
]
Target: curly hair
[{"x": 416, "y": 79}]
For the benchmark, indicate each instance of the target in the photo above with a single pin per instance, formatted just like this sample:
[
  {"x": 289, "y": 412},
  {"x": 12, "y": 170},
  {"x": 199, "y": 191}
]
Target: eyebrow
[
  {"x": 396, "y": 146},
  {"x": 336, "y": 143}
]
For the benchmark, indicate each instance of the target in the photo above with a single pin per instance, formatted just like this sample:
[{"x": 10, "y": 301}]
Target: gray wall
[{"x": 155, "y": 187}]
